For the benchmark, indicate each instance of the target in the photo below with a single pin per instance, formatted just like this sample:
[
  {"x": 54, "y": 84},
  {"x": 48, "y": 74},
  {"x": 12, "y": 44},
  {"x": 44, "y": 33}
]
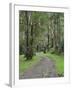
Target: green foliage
[
  {"x": 42, "y": 30},
  {"x": 59, "y": 62},
  {"x": 26, "y": 64},
  {"x": 52, "y": 50}
]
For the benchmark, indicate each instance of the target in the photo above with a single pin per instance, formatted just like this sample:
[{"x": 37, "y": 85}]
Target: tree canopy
[{"x": 40, "y": 31}]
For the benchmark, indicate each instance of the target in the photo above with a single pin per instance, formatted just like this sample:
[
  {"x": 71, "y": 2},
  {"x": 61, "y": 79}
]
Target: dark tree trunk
[
  {"x": 27, "y": 36},
  {"x": 31, "y": 42},
  {"x": 48, "y": 36},
  {"x": 48, "y": 41}
]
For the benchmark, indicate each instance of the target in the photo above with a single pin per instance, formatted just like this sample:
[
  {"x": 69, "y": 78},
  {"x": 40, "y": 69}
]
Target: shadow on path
[{"x": 43, "y": 69}]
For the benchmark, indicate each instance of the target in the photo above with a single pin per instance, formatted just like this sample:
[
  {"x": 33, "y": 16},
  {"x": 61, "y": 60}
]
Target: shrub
[{"x": 52, "y": 50}]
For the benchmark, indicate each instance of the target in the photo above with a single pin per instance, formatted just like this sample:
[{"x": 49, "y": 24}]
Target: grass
[
  {"x": 58, "y": 59},
  {"x": 59, "y": 62},
  {"x": 25, "y": 64}
]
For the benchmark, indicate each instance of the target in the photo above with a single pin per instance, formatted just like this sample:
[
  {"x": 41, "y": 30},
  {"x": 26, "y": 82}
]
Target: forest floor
[{"x": 42, "y": 69}]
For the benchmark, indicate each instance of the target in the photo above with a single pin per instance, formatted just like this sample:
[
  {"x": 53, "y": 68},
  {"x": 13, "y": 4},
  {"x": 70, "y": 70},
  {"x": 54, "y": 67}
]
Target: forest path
[{"x": 44, "y": 68}]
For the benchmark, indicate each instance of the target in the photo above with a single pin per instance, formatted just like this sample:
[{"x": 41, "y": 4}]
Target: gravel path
[{"x": 43, "y": 69}]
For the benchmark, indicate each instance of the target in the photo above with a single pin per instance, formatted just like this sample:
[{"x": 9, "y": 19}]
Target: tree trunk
[{"x": 31, "y": 42}]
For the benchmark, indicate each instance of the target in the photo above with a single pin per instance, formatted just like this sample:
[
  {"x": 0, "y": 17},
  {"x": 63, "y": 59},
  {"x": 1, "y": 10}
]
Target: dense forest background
[{"x": 40, "y": 32}]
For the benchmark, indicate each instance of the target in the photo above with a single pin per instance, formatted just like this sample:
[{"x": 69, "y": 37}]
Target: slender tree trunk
[
  {"x": 27, "y": 36},
  {"x": 31, "y": 42},
  {"x": 48, "y": 39},
  {"x": 59, "y": 35}
]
